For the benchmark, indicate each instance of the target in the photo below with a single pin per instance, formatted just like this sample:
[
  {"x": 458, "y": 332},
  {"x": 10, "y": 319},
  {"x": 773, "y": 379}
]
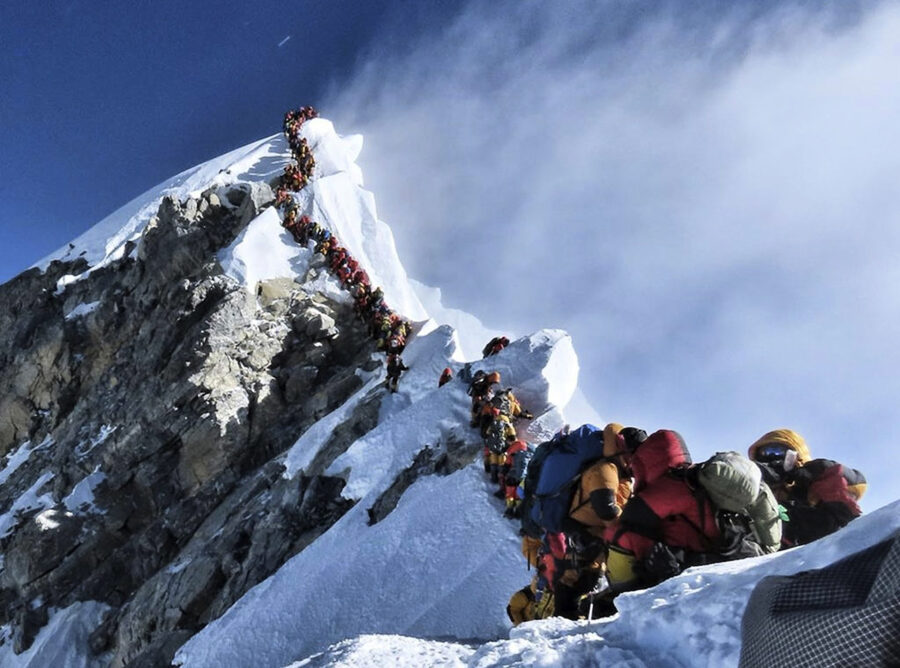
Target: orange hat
[
  {"x": 787, "y": 437},
  {"x": 611, "y": 442}
]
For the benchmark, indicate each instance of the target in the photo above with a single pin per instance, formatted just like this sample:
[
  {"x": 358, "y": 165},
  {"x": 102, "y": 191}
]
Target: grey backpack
[{"x": 734, "y": 484}]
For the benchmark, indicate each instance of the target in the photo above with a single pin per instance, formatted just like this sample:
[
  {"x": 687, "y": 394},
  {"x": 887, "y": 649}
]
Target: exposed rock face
[{"x": 143, "y": 410}]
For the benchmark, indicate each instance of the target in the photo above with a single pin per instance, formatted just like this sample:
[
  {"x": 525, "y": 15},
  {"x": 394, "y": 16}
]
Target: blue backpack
[
  {"x": 519, "y": 466},
  {"x": 560, "y": 472}
]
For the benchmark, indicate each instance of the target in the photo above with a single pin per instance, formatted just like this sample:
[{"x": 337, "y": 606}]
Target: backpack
[
  {"x": 505, "y": 401},
  {"x": 495, "y": 435},
  {"x": 519, "y": 466},
  {"x": 476, "y": 380},
  {"x": 532, "y": 474},
  {"x": 560, "y": 473},
  {"x": 745, "y": 505}
]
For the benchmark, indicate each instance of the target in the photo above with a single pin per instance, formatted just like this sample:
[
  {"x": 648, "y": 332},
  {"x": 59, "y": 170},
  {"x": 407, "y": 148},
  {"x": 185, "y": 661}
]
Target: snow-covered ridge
[
  {"x": 105, "y": 241},
  {"x": 336, "y": 199}
]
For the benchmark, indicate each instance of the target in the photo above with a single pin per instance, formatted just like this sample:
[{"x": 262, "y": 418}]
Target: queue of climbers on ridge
[
  {"x": 604, "y": 511},
  {"x": 389, "y": 330},
  {"x": 610, "y": 510}
]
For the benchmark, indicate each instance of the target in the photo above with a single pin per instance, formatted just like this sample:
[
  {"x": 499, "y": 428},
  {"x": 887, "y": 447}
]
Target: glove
[
  {"x": 771, "y": 474},
  {"x": 662, "y": 562}
]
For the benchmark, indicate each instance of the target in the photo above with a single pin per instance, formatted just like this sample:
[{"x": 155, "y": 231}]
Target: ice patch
[
  {"x": 178, "y": 566},
  {"x": 81, "y": 498},
  {"x": 83, "y": 448},
  {"x": 47, "y": 520},
  {"x": 14, "y": 460},
  {"x": 27, "y": 501},
  {"x": 62, "y": 643},
  {"x": 81, "y": 309},
  {"x": 388, "y": 650}
]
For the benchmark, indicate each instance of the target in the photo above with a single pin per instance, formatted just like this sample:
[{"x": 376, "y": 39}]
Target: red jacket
[
  {"x": 664, "y": 507},
  {"x": 663, "y": 449}
]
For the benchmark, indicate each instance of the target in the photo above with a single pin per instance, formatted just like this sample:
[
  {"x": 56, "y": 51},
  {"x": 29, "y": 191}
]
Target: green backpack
[{"x": 734, "y": 484}]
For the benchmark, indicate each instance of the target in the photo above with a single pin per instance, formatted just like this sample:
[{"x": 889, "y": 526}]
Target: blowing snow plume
[{"x": 698, "y": 195}]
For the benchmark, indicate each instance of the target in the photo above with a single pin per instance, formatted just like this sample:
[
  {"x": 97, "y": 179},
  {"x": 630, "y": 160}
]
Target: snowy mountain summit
[{"x": 201, "y": 463}]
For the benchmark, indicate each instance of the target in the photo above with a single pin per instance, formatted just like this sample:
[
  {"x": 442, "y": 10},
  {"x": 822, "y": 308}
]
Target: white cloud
[{"x": 707, "y": 204}]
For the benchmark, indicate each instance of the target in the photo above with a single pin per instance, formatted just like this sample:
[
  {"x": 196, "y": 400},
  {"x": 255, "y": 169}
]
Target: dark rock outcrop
[{"x": 143, "y": 411}]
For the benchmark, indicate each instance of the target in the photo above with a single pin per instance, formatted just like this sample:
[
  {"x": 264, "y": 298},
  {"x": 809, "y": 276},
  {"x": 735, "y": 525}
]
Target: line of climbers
[
  {"x": 494, "y": 413},
  {"x": 609, "y": 510},
  {"x": 389, "y": 330}
]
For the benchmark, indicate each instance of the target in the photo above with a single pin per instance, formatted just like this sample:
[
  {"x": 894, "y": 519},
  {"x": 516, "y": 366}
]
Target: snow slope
[
  {"x": 441, "y": 564},
  {"x": 105, "y": 242},
  {"x": 691, "y": 620}
]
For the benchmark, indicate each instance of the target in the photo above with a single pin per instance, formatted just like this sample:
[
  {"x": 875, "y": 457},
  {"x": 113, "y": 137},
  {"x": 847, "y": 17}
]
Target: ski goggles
[{"x": 771, "y": 452}]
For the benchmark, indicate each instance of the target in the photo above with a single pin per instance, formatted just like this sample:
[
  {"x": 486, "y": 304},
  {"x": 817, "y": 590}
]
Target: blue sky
[
  {"x": 100, "y": 101},
  {"x": 702, "y": 193}
]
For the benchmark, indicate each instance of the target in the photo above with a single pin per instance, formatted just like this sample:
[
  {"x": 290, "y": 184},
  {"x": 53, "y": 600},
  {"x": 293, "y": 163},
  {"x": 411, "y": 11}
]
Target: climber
[
  {"x": 324, "y": 246},
  {"x": 395, "y": 345},
  {"x": 282, "y": 195},
  {"x": 662, "y": 511},
  {"x": 583, "y": 483},
  {"x": 405, "y": 329},
  {"x": 313, "y": 230},
  {"x": 494, "y": 346},
  {"x": 290, "y": 222},
  {"x": 336, "y": 257},
  {"x": 498, "y": 434},
  {"x": 446, "y": 377},
  {"x": 395, "y": 367},
  {"x": 343, "y": 275},
  {"x": 360, "y": 277},
  {"x": 481, "y": 391},
  {"x": 292, "y": 179},
  {"x": 304, "y": 225},
  {"x": 677, "y": 516},
  {"x": 515, "y": 463},
  {"x": 604, "y": 485},
  {"x": 819, "y": 495},
  {"x": 376, "y": 299},
  {"x": 509, "y": 406}
]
